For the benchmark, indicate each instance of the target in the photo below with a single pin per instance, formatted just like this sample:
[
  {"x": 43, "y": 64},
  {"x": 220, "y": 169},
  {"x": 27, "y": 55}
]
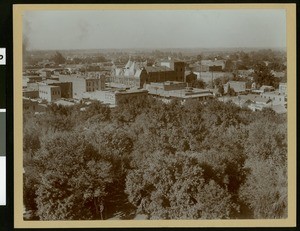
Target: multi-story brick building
[
  {"x": 48, "y": 92},
  {"x": 136, "y": 75},
  {"x": 83, "y": 83},
  {"x": 66, "y": 88}
]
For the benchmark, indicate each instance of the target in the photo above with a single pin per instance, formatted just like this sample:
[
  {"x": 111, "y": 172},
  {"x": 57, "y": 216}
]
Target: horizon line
[{"x": 156, "y": 48}]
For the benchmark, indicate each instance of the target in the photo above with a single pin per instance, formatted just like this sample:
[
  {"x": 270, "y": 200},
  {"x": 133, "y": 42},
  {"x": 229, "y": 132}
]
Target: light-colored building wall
[
  {"x": 49, "y": 93},
  {"x": 166, "y": 86},
  {"x": 115, "y": 97},
  {"x": 277, "y": 99},
  {"x": 82, "y": 84}
]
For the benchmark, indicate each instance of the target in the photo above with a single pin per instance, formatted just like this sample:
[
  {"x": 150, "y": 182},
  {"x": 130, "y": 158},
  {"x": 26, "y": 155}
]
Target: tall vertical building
[{"x": 177, "y": 66}]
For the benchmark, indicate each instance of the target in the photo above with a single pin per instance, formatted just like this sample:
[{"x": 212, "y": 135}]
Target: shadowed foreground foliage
[{"x": 201, "y": 160}]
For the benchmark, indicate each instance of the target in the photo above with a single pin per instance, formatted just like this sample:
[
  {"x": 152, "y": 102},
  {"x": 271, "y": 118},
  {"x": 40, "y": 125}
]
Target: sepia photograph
[{"x": 154, "y": 114}]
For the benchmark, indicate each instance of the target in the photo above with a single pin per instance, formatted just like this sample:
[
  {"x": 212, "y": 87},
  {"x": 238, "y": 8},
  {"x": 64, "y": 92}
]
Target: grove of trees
[{"x": 200, "y": 160}]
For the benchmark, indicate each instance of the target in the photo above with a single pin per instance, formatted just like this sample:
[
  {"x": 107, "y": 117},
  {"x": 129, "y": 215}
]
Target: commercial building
[
  {"x": 66, "y": 88},
  {"x": 276, "y": 97},
  {"x": 116, "y": 97},
  {"x": 84, "y": 83},
  {"x": 177, "y": 90},
  {"x": 49, "y": 93}
]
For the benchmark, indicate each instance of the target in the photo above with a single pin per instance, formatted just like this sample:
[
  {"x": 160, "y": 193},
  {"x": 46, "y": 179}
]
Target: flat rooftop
[{"x": 183, "y": 93}]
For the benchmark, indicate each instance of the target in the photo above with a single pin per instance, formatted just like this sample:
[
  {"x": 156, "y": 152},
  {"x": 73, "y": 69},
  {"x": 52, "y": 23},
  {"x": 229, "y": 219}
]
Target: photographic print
[{"x": 134, "y": 115}]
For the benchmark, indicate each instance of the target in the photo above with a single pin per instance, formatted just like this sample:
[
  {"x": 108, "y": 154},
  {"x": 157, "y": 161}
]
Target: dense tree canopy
[
  {"x": 263, "y": 76},
  {"x": 198, "y": 160},
  {"x": 73, "y": 178},
  {"x": 174, "y": 187}
]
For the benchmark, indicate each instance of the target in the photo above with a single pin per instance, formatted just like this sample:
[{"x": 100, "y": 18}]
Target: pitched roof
[{"x": 128, "y": 65}]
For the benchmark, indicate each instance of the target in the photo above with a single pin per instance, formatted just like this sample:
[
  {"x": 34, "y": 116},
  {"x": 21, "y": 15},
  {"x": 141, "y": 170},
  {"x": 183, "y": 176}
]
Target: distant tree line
[{"x": 241, "y": 60}]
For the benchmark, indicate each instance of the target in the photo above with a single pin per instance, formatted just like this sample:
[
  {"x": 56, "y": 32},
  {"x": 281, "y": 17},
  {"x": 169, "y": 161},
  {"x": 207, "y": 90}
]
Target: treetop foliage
[{"x": 200, "y": 160}]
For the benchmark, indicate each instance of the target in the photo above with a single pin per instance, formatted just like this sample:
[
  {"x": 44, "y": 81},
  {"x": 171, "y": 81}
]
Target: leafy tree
[
  {"x": 200, "y": 160},
  {"x": 173, "y": 187},
  {"x": 73, "y": 179},
  {"x": 58, "y": 58},
  {"x": 30, "y": 185},
  {"x": 55, "y": 122},
  {"x": 77, "y": 60},
  {"x": 231, "y": 91},
  {"x": 267, "y": 138},
  {"x": 31, "y": 140},
  {"x": 221, "y": 89},
  {"x": 129, "y": 108},
  {"x": 263, "y": 76},
  {"x": 265, "y": 190},
  {"x": 229, "y": 65},
  {"x": 277, "y": 66},
  {"x": 198, "y": 83},
  {"x": 199, "y": 58},
  {"x": 97, "y": 112}
]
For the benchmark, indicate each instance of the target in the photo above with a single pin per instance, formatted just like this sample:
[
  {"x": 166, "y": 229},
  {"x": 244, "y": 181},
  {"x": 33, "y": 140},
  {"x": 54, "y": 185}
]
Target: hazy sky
[{"x": 154, "y": 29}]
